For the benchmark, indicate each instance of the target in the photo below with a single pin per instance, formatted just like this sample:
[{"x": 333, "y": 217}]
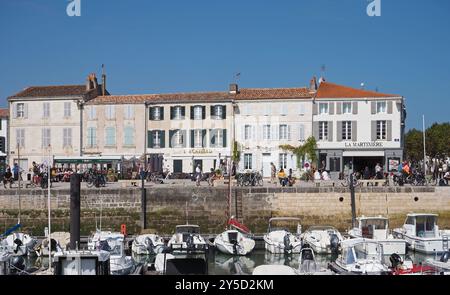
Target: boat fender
[
  {"x": 287, "y": 243},
  {"x": 445, "y": 256}
]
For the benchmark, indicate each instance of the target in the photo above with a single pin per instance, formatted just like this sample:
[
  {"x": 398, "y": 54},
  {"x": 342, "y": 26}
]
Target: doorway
[
  {"x": 196, "y": 163},
  {"x": 177, "y": 166},
  {"x": 266, "y": 159}
]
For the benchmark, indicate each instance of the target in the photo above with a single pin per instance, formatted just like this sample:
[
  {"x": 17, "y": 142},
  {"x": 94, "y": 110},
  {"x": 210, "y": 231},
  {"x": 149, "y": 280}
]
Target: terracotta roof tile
[
  {"x": 57, "y": 91},
  {"x": 4, "y": 113},
  {"x": 331, "y": 90},
  {"x": 244, "y": 94}
]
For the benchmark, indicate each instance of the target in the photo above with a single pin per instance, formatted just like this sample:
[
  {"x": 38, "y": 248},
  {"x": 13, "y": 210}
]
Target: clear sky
[{"x": 153, "y": 46}]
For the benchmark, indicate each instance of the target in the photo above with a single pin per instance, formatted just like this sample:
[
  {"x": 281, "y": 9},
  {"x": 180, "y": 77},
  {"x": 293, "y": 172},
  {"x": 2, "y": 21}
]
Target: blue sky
[{"x": 153, "y": 46}]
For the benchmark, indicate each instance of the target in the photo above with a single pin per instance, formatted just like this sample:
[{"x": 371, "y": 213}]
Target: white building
[
  {"x": 46, "y": 120},
  {"x": 4, "y": 118},
  {"x": 355, "y": 128},
  {"x": 268, "y": 118}
]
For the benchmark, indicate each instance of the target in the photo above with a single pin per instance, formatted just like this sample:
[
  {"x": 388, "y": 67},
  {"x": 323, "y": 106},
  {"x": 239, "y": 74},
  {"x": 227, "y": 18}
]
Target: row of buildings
[{"x": 84, "y": 124}]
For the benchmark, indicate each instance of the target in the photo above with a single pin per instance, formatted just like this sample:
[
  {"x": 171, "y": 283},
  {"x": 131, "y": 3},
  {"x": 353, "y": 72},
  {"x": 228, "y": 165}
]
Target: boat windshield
[
  {"x": 369, "y": 225},
  {"x": 114, "y": 247},
  {"x": 187, "y": 229},
  {"x": 368, "y": 251},
  {"x": 425, "y": 226}
]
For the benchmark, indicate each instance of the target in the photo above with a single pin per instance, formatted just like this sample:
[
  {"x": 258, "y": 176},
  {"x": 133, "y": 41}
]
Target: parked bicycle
[{"x": 250, "y": 179}]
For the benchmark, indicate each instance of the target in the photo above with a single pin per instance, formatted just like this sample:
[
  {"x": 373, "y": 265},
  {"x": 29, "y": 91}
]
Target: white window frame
[
  {"x": 323, "y": 108},
  {"x": 218, "y": 112},
  {"x": 67, "y": 137},
  {"x": 283, "y": 132},
  {"x": 156, "y": 113},
  {"x": 323, "y": 130},
  {"x": 198, "y": 112},
  {"x": 20, "y": 137},
  {"x": 381, "y": 107},
  {"x": 282, "y": 160},
  {"x": 347, "y": 130},
  {"x": 247, "y": 132},
  {"x": 92, "y": 137},
  {"x": 110, "y": 139},
  {"x": 128, "y": 139},
  {"x": 284, "y": 109},
  {"x": 156, "y": 139},
  {"x": 266, "y": 132},
  {"x": 177, "y": 114},
  {"x": 219, "y": 138},
  {"x": 381, "y": 130},
  {"x": 198, "y": 140},
  {"x": 178, "y": 138},
  {"x": 348, "y": 109},
  {"x": 248, "y": 161},
  {"x": 67, "y": 109},
  {"x": 46, "y": 137},
  {"x": 110, "y": 112},
  {"x": 92, "y": 113},
  {"x": 45, "y": 110},
  {"x": 20, "y": 110},
  {"x": 301, "y": 132},
  {"x": 129, "y": 111}
]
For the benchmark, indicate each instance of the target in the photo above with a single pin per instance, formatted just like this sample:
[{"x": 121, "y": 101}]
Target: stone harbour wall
[{"x": 206, "y": 206}]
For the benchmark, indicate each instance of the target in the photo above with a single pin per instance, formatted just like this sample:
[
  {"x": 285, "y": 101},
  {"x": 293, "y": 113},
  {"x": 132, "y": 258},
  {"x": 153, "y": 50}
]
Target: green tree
[
  {"x": 308, "y": 149},
  {"x": 438, "y": 140},
  {"x": 414, "y": 145},
  {"x": 236, "y": 157}
]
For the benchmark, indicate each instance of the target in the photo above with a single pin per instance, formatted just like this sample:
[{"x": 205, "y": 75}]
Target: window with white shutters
[
  {"x": 46, "y": 110},
  {"x": 67, "y": 137},
  {"x": 46, "y": 140},
  {"x": 20, "y": 110},
  {"x": 20, "y": 137},
  {"x": 346, "y": 107},
  {"x": 323, "y": 108},
  {"x": 381, "y": 107},
  {"x": 110, "y": 136},
  {"x": 248, "y": 161},
  {"x": 129, "y": 112},
  {"x": 92, "y": 137},
  {"x": 381, "y": 130},
  {"x": 266, "y": 132},
  {"x": 67, "y": 109},
  {"x": 247, "y": 132},
  {"x": 323, "y": 130},
  {"x": 283, "y": 133},
  {"x": 346, "y": 130}
]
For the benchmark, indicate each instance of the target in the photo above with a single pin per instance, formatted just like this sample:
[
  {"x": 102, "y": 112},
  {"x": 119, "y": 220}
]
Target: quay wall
[{"x": 206, "y": 206}]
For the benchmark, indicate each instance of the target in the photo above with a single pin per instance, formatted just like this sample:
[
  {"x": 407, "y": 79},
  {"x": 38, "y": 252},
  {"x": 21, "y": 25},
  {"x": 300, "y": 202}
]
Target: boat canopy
[
  {"x": 360, "y": 249},
  {"x": 187, "y": 228},
  {"x": 321, "y": 227}
]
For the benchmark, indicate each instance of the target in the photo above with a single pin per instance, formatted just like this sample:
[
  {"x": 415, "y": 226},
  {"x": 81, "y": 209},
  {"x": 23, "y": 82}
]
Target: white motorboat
[
  {"x": 113, "y": 242},
  {"x": 5, "y": 258},
  {"x": 169, "y": 264},
  {"x": 360, "y": 256},
  {"x": 323, "y": 239},
  {"x": 19, "y": 244},
  {"x": 81, "y": 262},
  {"x": 377, "y": 228},
  {"x": 441, "y": 266},
  {"x": 147, "y": 244},
  {"x": 279, "y": 239},
  {"x": 422, "y": 233},
  {"x": 60, "y": 241},
  {"x": 234, "y": 242},
  {"x": 187, "y": 237}
]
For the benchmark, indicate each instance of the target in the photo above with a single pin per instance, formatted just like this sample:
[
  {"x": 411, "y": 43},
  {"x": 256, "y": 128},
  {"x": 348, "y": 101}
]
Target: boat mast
[{"x": 18, "y": 189}]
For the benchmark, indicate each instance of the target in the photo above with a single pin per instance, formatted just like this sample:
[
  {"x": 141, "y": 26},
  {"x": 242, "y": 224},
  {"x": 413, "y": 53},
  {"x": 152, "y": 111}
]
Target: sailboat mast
[
  {"x": 18, "y": 189},
  {"x": 49, "y": 211}
]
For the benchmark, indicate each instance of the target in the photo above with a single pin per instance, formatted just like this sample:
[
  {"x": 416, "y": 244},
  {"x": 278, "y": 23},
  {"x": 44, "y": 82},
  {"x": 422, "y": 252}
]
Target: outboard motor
[
  {"x": 150, "y": 246},
  {"x": 17, "y": 243},
  {"x": 445, "y": 256},
  {"x": 334, "y": 243},
  {"x": 287, "y": 243},
  {"x": 17, "y": 264},
  {"x": 235, "y": 246},
  {"x": 396, "y": 260},
  {"x": 308, "y": 262}
]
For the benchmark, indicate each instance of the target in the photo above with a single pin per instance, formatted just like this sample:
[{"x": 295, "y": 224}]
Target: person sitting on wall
[
  {"x": 282, "y": 177},
  {"x": 317, "y": 175},
  {"x": 366, "y": 174},
  {"x": 325, "y": 175},
  {"x": 446, "y": 177},
  {"x": 291, "y": 179}
]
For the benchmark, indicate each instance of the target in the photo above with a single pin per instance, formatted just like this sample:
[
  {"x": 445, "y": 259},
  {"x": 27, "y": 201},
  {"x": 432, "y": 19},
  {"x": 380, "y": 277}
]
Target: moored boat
[
  {"x": 19, "y": 244},
  {"x": 422, "y": 234},
  {"x": 323, "y": 239},
  {"x": 279, "y": 239},
  {"x": 377, "y": 228},
  {"x": 147, "y": 244},
  {"x": 187, "y": 237}
]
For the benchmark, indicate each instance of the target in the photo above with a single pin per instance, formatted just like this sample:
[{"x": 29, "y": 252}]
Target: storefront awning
[
  {"x": 86, "y": 159},
  {"x": 363, "y": 154}
]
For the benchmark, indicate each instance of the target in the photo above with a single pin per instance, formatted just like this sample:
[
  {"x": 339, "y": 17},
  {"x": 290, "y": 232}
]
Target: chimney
[
  {"x": 89, "y": 84},
  {"x": 103, "y": 80},
  {"x": 94, "y": 80},
  {"x": 313, "y": 84},
  {"x": 234, "y": 88}
]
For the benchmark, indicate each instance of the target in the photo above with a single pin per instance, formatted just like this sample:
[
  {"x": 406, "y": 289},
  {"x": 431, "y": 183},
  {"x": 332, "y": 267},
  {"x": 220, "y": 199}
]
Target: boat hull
[{"x": 422, "y": 245}]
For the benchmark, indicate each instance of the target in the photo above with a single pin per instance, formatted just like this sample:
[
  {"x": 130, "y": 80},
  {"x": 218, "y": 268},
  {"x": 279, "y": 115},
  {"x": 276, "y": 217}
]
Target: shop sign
[
  {"x": 363, "y": 144},
  {"x": 201, "y": 151}
]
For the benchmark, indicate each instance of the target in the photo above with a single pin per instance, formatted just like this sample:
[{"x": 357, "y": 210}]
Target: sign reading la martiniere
[{"x": 368, "y": 144}]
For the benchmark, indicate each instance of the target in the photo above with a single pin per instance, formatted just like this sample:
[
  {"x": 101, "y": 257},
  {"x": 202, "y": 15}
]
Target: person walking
[
  {"x": 378, "y": 171},
  {"x": 273, "y": 172},
  {"x": 198, "y": 175}
]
